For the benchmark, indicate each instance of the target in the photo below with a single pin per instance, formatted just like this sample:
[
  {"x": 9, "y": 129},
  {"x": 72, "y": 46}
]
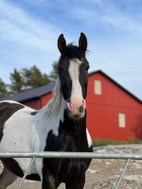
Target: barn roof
[
  {"x": 46, "y": 89},
  {"x": 32, "y": 93}
]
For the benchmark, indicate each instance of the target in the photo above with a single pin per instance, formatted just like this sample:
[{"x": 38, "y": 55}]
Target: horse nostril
[{"x": 81, "y": 109}]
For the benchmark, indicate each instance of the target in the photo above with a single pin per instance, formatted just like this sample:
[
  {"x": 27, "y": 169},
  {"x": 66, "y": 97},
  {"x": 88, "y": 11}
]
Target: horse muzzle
[{"x": 76, "y": 109}]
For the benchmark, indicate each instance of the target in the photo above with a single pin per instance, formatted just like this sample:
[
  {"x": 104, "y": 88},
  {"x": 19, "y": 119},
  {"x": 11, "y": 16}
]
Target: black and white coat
[{"x": 59, "y": 126}]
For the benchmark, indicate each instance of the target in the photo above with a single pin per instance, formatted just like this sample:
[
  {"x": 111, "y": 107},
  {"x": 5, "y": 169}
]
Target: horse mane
[{"x": 54, "y": 104}]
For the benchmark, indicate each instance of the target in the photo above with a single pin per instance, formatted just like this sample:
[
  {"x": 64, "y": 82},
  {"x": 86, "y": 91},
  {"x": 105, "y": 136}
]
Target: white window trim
[
  {"x": 122, "y": 120},
  {"x": 97, "y": 87}
]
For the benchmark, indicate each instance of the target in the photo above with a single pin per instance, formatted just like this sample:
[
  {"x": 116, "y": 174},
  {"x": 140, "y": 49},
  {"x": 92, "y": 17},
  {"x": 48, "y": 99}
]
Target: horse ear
[
  {"x": 61, "y": 43},
  {"x": 83, "y": 42}
]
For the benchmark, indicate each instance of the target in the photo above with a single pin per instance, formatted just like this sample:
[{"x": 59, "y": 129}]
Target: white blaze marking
[{"x": 76, "y": 92}]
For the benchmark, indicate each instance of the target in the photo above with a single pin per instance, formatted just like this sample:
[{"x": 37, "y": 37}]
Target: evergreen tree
[
  {"x": 33, "y": 78},
  {"x": 54, "y": 73},
  {"x": 27, "y": 78},
  {"x": 16, "y": 85},
  {"x": 3, "y": 89}
]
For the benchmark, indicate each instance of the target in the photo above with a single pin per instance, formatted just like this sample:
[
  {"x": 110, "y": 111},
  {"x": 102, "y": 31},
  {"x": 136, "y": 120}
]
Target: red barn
[{"x": 112, "y": 111}]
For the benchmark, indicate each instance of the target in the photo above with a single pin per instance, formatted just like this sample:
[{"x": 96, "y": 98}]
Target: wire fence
[{"x": 92, "y": 155}]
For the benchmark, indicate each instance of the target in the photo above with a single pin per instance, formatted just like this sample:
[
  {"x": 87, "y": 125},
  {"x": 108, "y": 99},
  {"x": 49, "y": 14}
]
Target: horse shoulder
[{"x": 14, "y": 125}]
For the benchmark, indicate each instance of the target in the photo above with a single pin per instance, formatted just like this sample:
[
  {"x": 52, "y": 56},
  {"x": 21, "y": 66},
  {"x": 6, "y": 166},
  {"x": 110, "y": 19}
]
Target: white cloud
[
  {"x": 121, "y": 22},
  {"x": 96, "y": 2},
  {"x": 106, "y": 14},
  {"x": 20, "y": 26},
  {"x": 26, "y": 41}
]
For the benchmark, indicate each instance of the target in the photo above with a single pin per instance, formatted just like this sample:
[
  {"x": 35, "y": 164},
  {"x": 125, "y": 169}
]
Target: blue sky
[{"x": 29, "y": 30}]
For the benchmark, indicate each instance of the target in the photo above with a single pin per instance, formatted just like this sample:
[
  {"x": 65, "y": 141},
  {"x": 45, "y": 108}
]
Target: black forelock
[{"x": 73, "y": 51}]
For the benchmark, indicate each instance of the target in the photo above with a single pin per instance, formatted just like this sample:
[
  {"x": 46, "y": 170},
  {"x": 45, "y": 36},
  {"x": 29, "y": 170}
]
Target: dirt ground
[{"x": 104, "y": 174}]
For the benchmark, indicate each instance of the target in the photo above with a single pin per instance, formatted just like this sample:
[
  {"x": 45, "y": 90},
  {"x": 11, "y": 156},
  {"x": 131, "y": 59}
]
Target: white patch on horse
[
  {"x": 53, "y": 112},
  {"x": 48, "y": 119},
  {"x": 56, "y": 104},
  {"x": 20, "y": 140},
  {"x": 11, "y": 102},
  {"x": 89, "y": 140},
  {"x": 74, "y": 75},
  {"x": 31, "y": 131}
]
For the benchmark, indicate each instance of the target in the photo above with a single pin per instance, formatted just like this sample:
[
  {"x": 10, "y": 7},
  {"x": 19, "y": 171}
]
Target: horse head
[{"x": 73, "y": 73}]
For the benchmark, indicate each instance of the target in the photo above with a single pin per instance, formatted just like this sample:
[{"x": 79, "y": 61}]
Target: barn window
[
  {"x": 97, "y": 87},
  {"x": 121, "y": 120}
]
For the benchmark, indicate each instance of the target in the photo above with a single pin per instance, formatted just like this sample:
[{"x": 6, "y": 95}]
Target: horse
[{"x": 58, "y": 126}]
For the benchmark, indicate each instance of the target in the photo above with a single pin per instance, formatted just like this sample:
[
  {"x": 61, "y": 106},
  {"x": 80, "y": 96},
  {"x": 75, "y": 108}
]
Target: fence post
[
  {"x": 33, "y": 159},
  {"x": 121, "y": 176}
]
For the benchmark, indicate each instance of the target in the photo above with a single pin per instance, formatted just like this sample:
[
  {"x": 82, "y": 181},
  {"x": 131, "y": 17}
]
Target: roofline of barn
[{"x": 116, "y": 83}]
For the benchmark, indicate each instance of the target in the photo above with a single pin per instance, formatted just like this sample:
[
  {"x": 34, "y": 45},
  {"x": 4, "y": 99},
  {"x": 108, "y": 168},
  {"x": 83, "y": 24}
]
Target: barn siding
[
  {"x": 111, "y": 93},
  {"x": 46, "y": 98},
  {"x": 103, "y": 110},
  {"x": 35, "y": 104}
]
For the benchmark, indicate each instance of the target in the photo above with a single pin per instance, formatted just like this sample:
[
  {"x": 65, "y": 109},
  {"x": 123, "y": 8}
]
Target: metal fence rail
[{"x": 92, "y": 155}]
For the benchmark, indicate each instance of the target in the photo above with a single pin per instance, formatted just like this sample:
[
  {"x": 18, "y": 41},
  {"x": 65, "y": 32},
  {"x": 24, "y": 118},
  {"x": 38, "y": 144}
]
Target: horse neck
[
  {"x": 57, "y": 104},
  {"x": 55, "y": 109}
]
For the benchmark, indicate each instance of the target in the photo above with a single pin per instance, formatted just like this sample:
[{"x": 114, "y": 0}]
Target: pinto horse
[{"x": 59, "y": 126}]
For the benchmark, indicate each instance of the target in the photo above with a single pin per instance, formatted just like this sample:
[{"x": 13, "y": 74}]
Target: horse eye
[
  {"x": 63, "y": 69},
  {"x": 87, "y": 67}
]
